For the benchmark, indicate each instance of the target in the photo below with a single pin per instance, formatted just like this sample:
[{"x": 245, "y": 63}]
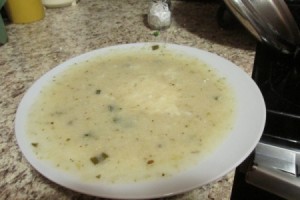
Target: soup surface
[{"x": 131, "y": 116}]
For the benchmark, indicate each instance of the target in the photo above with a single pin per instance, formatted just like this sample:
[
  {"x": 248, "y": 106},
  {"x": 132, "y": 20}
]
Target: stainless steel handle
[
  {"x": 274, "y": 181},
  {"x": 283, "y": 159},
  {"x": 275, "y": 169}
]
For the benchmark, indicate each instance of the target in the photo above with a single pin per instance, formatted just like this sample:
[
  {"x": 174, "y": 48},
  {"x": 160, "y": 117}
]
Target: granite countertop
[{"x": 35, "y": 48}]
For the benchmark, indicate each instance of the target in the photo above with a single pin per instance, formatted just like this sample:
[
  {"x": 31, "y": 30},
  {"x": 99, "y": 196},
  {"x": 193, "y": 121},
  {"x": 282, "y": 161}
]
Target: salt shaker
[{"x": 159, "y": 15}]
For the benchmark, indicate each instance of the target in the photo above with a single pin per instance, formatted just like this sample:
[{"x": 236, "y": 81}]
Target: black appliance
[{"x": 272, "y": 171}]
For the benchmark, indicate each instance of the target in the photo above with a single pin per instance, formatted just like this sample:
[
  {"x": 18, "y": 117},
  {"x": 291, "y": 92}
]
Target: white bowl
[{"x": 248, "y": 127}]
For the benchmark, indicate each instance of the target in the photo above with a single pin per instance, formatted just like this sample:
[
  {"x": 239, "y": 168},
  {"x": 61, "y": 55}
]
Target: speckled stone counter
[{"x": 34, "y": 49}]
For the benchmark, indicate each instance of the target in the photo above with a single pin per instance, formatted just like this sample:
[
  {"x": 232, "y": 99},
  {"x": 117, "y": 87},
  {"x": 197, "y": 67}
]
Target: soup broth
[{"x": 131, "y": 116}]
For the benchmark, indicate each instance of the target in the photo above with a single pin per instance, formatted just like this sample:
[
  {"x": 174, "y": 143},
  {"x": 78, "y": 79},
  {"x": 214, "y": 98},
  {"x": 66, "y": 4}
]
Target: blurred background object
[
  {"x": 3, "y": 35},
  {"x": 22, "y": 12},
  {"x": 58, "y": 3}
]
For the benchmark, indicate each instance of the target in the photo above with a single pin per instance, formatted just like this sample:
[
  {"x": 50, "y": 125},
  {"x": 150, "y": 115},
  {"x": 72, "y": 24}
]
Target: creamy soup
[{"x": 131, "y": 116}]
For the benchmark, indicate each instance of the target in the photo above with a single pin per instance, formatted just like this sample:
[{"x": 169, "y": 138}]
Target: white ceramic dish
[
  {"x": 58, "y": 3},
  {"x": 251, "y": 113}
]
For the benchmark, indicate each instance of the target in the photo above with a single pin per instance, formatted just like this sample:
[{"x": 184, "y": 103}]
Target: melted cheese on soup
[{"x": 131, "y": 116}]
